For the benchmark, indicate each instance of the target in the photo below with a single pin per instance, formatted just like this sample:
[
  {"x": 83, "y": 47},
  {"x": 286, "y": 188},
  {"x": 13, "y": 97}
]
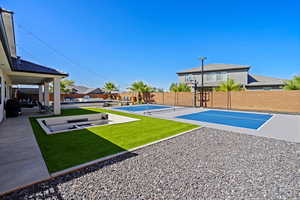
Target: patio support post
[
  {"x": 56, "y": 91},
  {"x": 46, "y": 93},
  {"x": 41, "y": 99}
]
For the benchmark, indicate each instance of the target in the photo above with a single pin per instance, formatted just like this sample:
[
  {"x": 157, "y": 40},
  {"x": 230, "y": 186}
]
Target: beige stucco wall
[
  {"x": 2, "y": 95},
  {"x": 4, "y": 79}
]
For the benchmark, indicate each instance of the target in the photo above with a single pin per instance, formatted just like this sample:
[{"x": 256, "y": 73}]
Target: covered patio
[
  {"x": 27, "y": 73},
  {"x": 21, "y": 161}
]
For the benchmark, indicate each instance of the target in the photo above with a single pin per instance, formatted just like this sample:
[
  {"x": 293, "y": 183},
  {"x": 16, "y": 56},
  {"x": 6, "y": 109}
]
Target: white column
[
  {"x": 56, "y": 91},
  {"x": 46, "y": 93},
  {"x": 41, "y": 99}
]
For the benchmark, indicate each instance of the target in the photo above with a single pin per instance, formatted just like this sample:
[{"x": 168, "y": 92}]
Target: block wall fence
[{"x": 277, "y": 101}]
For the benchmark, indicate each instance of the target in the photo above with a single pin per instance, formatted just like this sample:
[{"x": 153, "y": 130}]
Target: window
[
  {"x": 222, "y": 76},
  {"x": 188, "y": 78},
  {"x": 210, "y": 77},
  {"x": 215, "y": 76}
]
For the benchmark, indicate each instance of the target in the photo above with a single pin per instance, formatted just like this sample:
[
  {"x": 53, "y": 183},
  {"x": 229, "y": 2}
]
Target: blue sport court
[
  {"x": 238, "y": 119},
  {"x": 141, "y": 108}
]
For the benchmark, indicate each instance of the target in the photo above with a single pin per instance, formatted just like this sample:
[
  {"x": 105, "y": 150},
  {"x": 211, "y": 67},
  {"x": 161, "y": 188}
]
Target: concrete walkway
[{"x": 21, "y": 161}]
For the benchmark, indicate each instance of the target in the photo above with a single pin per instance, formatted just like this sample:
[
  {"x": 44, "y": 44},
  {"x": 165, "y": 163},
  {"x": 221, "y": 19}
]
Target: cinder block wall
[
  {"x": 282, "y": 101},
  {"x": 278, "y": 101}
]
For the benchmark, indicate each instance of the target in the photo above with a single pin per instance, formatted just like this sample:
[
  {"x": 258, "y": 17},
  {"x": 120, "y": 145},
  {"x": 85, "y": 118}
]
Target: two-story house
[{"x": 215, "y": 74}]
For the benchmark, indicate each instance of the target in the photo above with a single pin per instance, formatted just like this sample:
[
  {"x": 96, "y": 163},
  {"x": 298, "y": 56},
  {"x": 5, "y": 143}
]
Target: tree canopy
[
  {"x": 109, "y": 87},
  {"x": 63, "y": 85},
  {"x": 293, "y": 84},
  {"x": 228, "y": 86},
  {"x": 181, "y": 87},
  {"x": 140, "y": 87}
]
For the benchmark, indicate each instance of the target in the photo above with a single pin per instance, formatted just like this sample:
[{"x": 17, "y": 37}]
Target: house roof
[
  {"x": 215, "y": 67},
  {"x": 256, "y": 80},
  {"x": 20, "y": 65},
  {"x": 82, "y": 89}
]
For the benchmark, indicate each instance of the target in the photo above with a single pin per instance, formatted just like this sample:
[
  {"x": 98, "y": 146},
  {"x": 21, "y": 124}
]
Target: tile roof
[
  {"x": 20, "y": 65},
  {"x": 215, "y": 67}
]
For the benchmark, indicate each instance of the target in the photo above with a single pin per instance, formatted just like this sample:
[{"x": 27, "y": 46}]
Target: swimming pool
[
  {"x": 141, "y": 108},
  {"x": 237, "y": 119}
]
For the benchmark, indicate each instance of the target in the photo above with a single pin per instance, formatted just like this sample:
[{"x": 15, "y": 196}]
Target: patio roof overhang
[
  {"x": 26, "y": 78},
  {"x": 28, "y": 73}
]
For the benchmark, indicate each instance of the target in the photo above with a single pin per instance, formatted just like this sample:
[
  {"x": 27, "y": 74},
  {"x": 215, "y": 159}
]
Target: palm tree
[
  {"x": 228, "y": 86},
  {"x": 64, "y": 86},
  {"x": 141, "y": 88},
  {"x": 181, "y": 87},
  {"x": 292, "y": 84},
  {"x": 173, "y": 87},
  {"x": 109, "y": 87}
]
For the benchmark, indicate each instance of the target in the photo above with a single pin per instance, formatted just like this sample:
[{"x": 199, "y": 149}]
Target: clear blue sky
[{"x": 127, "y": 40}]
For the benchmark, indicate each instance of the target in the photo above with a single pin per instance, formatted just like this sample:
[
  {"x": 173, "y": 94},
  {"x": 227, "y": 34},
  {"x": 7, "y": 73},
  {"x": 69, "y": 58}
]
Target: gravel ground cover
[{"x": 204, "y": 164}]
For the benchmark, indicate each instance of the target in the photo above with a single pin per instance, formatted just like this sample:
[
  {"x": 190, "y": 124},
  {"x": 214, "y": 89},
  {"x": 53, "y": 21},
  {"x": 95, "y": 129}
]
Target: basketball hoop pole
[
  {"x": 195, "y": 93},
  {"x": 202, "y": 80}
]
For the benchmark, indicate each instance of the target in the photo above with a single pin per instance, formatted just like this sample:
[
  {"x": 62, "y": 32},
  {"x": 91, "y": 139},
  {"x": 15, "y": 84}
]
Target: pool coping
[{"x": 141, "y": 112}]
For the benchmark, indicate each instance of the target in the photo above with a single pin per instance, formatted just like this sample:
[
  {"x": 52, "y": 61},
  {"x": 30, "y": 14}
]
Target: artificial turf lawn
[{"x": 68, "y": 149}]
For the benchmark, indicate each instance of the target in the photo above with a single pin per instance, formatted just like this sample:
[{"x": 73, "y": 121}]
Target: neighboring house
[
  {"x": 214, "y": 74},
  {"x": 16, "y": 71},
  {"x": 79, "y": 89}
]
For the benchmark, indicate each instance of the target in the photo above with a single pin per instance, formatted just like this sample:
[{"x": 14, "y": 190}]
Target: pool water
[
  {"x": 141, "y": 108},
  {"x": 237, "y": 119}
]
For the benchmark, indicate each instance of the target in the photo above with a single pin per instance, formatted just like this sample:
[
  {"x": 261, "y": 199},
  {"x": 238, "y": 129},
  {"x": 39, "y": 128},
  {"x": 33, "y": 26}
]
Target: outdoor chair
[{"x": 43, "y": 109}]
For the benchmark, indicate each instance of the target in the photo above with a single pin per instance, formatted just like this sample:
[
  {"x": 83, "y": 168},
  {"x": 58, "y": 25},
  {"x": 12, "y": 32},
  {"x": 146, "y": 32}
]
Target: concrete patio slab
[{"x": 21, "y": 161}]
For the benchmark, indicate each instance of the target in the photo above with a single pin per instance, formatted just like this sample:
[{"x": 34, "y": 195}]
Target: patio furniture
[
  {"x": 43, "y": 109},
  {"x": 12, "y": 108},
  {"x": 27, "y": 103}
]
